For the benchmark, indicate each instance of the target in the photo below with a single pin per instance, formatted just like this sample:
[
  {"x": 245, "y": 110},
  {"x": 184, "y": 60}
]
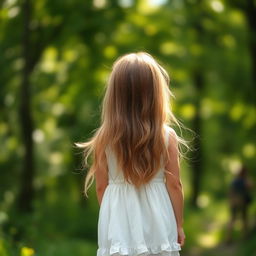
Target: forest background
[{"x": 54, "y": 63}]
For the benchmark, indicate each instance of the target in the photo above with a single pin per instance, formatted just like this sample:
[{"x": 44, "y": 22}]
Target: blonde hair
[{"x": 136, "y": 106}]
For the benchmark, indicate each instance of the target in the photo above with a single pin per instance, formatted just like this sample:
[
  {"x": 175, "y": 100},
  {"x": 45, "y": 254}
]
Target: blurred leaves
[{"x": 74, "y": 45}]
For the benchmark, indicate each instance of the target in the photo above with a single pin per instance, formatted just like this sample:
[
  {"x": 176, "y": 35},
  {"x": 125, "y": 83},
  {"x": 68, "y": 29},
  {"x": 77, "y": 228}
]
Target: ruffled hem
[{"x": 162, "y": 250}]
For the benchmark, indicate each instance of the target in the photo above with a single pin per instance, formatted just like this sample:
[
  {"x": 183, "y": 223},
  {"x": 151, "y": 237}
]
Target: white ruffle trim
[{"x": 163, "y": 250}]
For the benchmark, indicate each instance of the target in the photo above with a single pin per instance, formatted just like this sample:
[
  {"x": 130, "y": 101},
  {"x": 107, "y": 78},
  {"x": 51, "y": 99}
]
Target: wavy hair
[{"x": 135, "y": 108}]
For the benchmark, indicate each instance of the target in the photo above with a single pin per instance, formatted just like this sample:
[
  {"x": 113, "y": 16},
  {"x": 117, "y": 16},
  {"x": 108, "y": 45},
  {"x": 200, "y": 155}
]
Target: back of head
[
  {"x": 137, "y": 92},
  {"x": 135, "y": 108}
]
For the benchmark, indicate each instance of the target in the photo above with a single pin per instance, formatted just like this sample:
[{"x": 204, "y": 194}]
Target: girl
[{"x": 136, "y": 163}]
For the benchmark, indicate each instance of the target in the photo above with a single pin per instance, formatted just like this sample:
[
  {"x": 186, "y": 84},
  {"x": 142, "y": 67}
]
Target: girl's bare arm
[
  {"x": 101, "y": 177},
  {"x": 173, "y": 180}
]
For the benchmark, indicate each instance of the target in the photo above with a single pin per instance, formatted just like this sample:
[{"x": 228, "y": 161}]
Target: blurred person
[
  {"x": 136, "y": 163},
  {"x": 239, "y": 200}
]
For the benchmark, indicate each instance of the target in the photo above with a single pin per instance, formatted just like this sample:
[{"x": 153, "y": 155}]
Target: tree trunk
[
  {"x": 197, "y": 127},
  {"x": 195, "y": 14},
  {"x": 26, "y": 194},
  {"x": 251, "y": 20}
]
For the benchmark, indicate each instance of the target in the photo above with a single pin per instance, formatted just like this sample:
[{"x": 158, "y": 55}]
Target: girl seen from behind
[{"x": 135, "y": 162}]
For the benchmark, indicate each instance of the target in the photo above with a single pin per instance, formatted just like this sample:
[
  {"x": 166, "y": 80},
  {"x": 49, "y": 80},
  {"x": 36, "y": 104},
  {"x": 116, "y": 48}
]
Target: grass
[{"x": 47, "y": 247}]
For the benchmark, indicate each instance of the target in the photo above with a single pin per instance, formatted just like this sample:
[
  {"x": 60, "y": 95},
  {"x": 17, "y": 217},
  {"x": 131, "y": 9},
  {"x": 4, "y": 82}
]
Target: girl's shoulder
[
  {"x": 170, "y": 131},
  {"x": 171, "y": 136}
]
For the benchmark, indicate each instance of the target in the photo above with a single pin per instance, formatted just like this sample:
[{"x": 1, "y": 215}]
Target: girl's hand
[{"x": 181, "y": 236}]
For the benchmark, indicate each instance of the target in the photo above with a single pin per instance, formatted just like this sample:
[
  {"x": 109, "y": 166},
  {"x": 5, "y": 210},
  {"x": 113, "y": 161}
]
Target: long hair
[{"x": 135, "y": 109}]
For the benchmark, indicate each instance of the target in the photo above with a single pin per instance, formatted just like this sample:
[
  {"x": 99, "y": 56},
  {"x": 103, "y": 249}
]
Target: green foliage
[{"x": 72, "y": 47}]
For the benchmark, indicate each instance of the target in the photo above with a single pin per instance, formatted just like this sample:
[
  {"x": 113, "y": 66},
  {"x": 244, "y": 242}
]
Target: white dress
[{"x": 136, "y": 221}]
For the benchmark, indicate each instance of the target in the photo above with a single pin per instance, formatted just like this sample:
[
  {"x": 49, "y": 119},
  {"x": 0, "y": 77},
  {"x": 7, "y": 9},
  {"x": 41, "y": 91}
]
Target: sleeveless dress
[{"x": 136, "y": 221}]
